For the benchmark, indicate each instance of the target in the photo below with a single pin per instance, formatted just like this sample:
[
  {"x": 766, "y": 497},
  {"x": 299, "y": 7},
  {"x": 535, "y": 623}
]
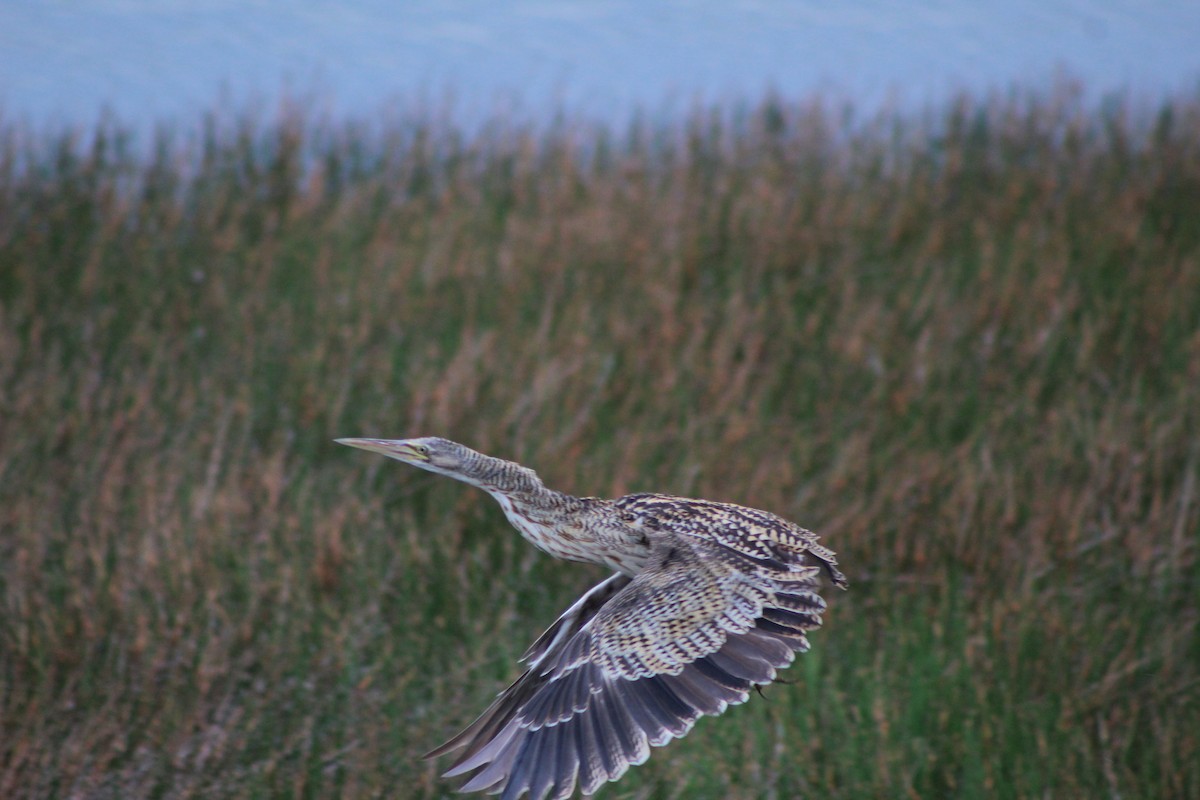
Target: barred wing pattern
[{"x": 724, "y": 602}]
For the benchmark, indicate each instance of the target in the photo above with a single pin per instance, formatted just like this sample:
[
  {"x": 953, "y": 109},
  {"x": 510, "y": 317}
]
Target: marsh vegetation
[{"x": 964, "y": 347}]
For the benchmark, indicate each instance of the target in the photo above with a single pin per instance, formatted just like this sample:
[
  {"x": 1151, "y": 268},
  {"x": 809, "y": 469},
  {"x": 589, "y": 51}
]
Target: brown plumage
[{"x": 708, "y": 600}]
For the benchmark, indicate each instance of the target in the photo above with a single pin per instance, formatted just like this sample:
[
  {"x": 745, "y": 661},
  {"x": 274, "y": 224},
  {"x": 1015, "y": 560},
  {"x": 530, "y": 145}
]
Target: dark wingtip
[
  {"x": 441, "y": 750},
  {"x": 836, "y": 576}
]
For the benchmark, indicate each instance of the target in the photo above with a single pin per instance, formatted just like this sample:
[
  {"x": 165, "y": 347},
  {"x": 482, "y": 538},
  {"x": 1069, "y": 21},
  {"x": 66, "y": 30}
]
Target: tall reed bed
[{"x": 963, "y": 346}]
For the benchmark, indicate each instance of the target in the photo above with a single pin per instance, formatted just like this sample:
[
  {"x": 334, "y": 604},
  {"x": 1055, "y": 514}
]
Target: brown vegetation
[{"x": 965, "y": 350}]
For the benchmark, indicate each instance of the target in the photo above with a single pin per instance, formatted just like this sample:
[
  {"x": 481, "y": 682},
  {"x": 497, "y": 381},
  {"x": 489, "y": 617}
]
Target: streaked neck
[{"x": 499, "y": 477}]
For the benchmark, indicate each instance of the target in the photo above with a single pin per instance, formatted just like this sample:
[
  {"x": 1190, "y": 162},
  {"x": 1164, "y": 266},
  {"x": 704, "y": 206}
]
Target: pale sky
[{"x": 155, "y": 59}]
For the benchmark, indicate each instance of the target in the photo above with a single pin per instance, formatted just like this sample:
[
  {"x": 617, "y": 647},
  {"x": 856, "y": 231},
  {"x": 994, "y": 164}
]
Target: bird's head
[
  {"x": 431, "y": 453},
  {"x": 494, "y": 475}
]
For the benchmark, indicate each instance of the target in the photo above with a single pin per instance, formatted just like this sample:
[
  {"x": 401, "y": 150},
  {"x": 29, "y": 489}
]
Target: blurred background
[
  {"x": 153, "y": 61},
  {"x": 923, "y": 277}
]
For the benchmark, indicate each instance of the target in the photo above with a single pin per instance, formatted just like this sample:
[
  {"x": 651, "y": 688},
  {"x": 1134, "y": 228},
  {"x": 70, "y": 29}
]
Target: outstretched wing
[{"x": 635, "y": 662}]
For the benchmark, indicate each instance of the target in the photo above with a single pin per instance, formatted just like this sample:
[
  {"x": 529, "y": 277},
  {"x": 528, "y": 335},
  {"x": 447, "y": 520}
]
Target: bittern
[{"x": 708, "y": 600}]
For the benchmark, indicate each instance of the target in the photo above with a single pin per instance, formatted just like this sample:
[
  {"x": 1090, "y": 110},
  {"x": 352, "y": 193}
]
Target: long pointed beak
[{"x": 399, "y": 449}]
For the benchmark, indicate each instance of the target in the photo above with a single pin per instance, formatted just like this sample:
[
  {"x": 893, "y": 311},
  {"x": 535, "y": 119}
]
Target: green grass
[{"x": 964, "y": 347}]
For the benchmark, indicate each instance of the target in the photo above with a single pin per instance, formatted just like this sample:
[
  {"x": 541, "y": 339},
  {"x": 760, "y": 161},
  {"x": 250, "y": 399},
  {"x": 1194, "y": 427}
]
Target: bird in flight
[{"x": 707, "y": 601}]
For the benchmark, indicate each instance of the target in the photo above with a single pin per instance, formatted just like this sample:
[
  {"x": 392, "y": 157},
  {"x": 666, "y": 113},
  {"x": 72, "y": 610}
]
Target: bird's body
[{"x": 707, "y": 601}]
